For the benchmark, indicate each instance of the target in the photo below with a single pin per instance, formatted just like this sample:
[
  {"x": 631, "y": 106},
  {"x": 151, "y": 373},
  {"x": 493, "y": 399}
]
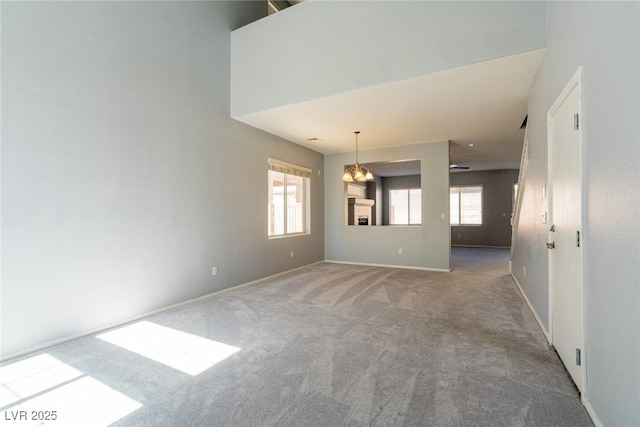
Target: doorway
[{"x": 565, "y": 232}]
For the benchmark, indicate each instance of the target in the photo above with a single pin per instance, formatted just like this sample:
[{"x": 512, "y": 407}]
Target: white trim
[
  {"x": 574, "y": 82},
  {"x": 408, "y": 267},
  {"x": 453, "y": 245},
  {"x": 147, "y": 314},
  {"x": 592, "y": 413},
  {"x": 533, "y": 310}
]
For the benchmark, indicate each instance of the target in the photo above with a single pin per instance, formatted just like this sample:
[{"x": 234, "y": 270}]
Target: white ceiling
[{"x": 482, "y": 104}]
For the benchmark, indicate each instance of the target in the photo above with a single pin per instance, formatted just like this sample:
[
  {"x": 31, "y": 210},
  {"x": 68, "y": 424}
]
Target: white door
[{"x": 565, "y": 233}]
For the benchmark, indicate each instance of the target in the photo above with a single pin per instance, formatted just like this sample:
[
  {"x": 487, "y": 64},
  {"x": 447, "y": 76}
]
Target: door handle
[{"x": 551, "y": 245}]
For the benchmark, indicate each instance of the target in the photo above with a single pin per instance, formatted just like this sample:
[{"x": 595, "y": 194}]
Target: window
[
  {"x": 405, "y": 206},
  {"x": 466, "y": 205},
  {"x": 288, "y": 205}
]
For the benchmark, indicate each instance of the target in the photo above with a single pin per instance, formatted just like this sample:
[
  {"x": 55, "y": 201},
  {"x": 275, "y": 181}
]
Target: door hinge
[
  {"x": 576, "y": 121},
  {"x": 578, "y": 357},
  {"x": 578, "y": 238}
]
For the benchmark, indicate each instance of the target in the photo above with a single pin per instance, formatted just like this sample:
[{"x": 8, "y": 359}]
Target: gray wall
[
  {"x": 390, "y": 182},
  {"x": 374, "y": 191},
  {"x": 497, "y": 202},
  {"x": 123, "y": 178},
  {"x": 603, "y": 37},
  {"x": 426, "y": 246}
]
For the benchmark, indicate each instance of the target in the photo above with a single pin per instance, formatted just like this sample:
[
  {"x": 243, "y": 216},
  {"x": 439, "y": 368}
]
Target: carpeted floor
[{"x": 330, "y": 345}]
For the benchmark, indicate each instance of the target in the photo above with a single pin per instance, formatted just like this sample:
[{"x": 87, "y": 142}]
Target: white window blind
[{"x": 289, "y": 168}]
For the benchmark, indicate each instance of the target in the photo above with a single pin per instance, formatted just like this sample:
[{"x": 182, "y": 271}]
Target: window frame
[
  {"x": 459, "y": 216},
  {"x": 408, "y": 190},
  {"x": 289, "y": 169}
]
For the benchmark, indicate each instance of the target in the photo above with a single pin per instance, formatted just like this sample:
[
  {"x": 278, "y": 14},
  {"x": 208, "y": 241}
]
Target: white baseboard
[
  {"x": 591, "y": 412},
  {"x": 533, "y": 310},
  {"x": 480, "y": 246},
  {"x": 146, "y": 314},
  {"x": 584, "y": 400},
  {"x": 368, "y": 264}
]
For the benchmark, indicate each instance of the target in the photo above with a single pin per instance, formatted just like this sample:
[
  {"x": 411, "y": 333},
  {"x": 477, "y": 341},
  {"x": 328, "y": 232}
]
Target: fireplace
[{"x": 359, "y": 211}]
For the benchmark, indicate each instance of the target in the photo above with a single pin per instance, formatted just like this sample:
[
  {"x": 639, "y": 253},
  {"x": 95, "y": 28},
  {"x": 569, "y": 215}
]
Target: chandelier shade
[{"x": 357, "y": 172}]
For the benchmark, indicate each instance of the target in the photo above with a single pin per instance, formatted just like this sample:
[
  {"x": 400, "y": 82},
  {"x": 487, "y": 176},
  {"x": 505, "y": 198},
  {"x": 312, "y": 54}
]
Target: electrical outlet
[
  {"x": 400, "y": 251},
  {"x": 214, "y": 271},
  {"x": 291, "y": 254}
]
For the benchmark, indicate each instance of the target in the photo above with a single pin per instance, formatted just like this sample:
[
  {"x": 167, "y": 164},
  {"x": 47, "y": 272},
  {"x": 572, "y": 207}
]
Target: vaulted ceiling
[
  {"x": 482, "y": 104},
  {"x": 465, "y": 80}
]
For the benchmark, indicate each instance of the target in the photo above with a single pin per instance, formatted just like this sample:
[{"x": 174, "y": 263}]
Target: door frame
[{"x": 574, "y": 82}]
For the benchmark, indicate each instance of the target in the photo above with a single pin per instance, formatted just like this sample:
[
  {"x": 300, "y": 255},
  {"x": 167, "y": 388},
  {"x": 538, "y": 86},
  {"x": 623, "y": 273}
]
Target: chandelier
[{"x": 357, "y": 172}]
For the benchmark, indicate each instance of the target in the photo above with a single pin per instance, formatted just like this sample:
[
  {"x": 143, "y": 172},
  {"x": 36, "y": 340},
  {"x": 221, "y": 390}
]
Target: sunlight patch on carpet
[
  {"x": 45, "y": 391},
  {"x": 185, "y": 352}
]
